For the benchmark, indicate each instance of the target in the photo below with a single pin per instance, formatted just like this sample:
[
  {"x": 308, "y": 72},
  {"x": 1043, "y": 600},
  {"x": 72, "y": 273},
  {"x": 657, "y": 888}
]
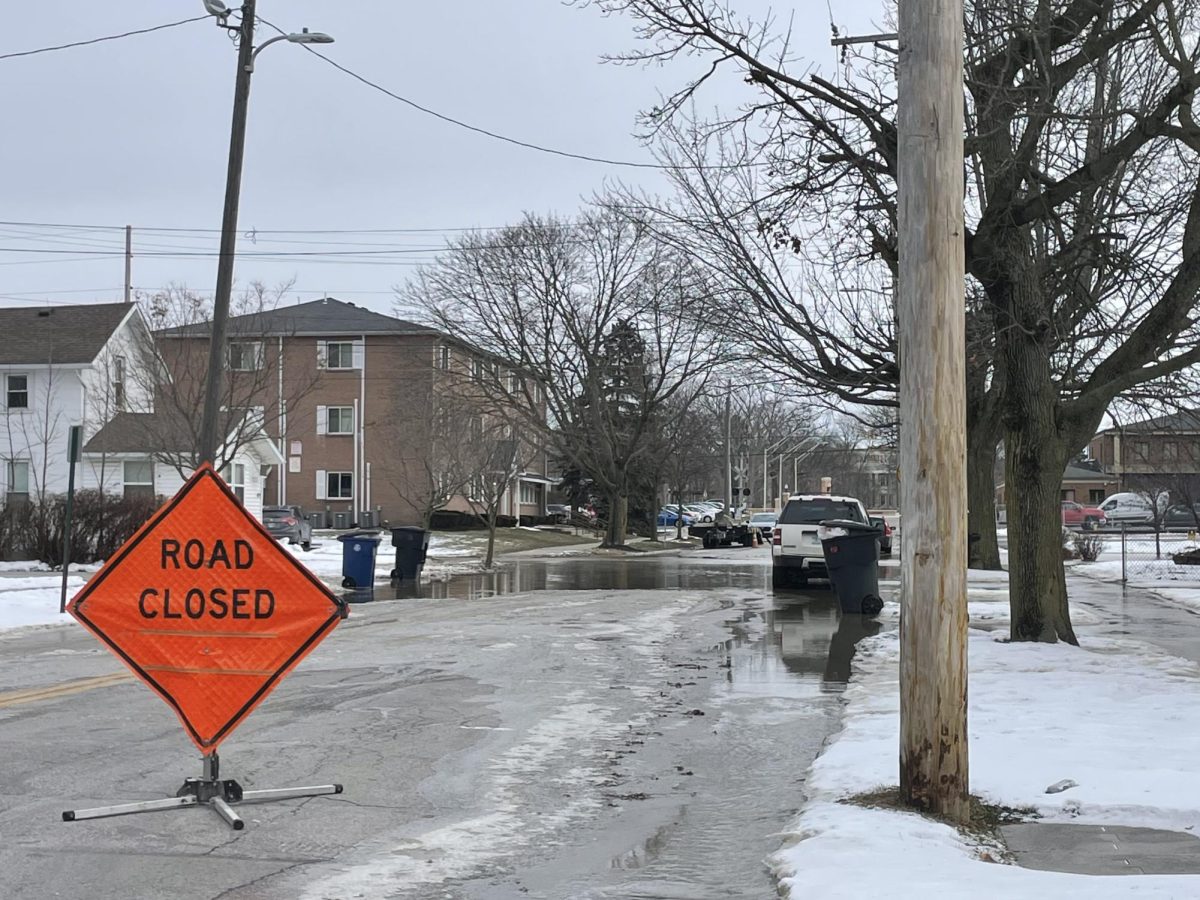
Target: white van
[{"x": 1127, "y": 508}]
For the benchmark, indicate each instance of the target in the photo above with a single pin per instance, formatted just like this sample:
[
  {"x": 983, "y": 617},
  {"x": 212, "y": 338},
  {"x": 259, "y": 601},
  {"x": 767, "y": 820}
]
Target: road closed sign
[{"x": 206, "y": 608}]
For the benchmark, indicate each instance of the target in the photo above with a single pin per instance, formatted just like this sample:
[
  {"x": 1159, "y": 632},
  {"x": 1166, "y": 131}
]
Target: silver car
[{"x": 288, "y": 523}]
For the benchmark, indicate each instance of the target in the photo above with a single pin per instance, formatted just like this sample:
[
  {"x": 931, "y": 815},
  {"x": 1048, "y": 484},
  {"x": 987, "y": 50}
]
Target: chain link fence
[{"x": 1157, "y": 555}]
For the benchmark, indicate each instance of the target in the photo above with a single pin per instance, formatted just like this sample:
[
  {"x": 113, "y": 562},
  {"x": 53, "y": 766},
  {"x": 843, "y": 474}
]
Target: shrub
[
  {"x": 100, "y": 523},
  {"x": 1088, "y": 547},
  {"x": 1068, "y": 544}
]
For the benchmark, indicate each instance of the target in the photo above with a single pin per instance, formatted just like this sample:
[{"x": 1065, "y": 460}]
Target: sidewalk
[{"x": 1117, "y": 716}]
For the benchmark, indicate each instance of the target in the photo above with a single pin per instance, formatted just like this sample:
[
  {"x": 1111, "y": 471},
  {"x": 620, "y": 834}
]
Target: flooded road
[
  {"x": 579, "y": 728},
  {"x": 690, "y": 811}
]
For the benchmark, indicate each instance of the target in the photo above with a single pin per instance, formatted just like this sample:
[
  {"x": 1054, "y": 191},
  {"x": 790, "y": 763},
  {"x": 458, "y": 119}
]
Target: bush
[
  {"x": 1068, "y": 544},
  {"x": 1088, "y": 547},
  {"x": 100, "y": 524}
]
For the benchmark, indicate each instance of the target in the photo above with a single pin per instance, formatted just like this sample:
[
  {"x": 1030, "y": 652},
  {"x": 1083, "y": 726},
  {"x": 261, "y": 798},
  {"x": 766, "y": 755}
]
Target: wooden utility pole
[
  {"x": 209, "y": 426},
  {"x": 128, "y": 263},
  {"x": 933, "y": 483}
]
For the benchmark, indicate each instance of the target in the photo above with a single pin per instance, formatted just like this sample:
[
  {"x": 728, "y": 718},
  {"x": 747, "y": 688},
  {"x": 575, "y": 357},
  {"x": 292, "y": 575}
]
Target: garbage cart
[
  {"x": 358, "y": 558},
  {"x": 852, "y": 557},
  {"x": 412, "y": 544}
]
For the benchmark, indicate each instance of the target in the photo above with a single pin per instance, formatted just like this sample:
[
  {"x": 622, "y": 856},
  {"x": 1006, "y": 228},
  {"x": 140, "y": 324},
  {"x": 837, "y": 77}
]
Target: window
[
  {"x": 529, "y": 493},
  {"x": 235, "y": 476},
  {"x": 138, "y": 478},
  {"x": 1170, "y": 451},
  {"x": 477, "y": 369},
  {"x": 1141, "y": 450},
  {"x": 17, "y": 392},
  {"x": 1095, "y": 495},
  {"x": 444, "y": 357},
  {"x": 339, "y": 485},
  {"x": 18, "y": 481},
  {"x": 339, "y": 420},
  {"x": 246, "y": 356},
  {"x": 338, "y": 355},
  {"x": 118, "y": 382}
]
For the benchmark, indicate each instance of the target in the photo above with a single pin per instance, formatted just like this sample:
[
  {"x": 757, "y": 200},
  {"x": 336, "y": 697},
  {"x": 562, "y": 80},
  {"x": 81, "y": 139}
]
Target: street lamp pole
[{"x": 233, "y": 186}]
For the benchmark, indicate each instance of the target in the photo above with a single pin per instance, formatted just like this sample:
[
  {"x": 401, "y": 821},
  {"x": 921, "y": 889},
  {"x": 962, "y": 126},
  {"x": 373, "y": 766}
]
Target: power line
[
  {"x": 99, "y": 40},
  {"x": 528, "y": 145}
]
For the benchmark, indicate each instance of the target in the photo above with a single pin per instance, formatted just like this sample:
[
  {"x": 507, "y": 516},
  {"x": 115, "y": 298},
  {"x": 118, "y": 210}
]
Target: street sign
[{"x": 206, "y": 608}]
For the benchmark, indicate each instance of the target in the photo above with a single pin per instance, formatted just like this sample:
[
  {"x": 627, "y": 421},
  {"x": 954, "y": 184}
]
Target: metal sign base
[{"x": 208, "y": 789}]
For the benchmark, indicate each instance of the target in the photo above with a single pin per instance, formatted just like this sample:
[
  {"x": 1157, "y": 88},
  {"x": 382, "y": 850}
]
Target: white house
[
  {"x": 63, "y": 366},
  {"x": 140, "y": 453},
  {"x": 87, "y": 365}
]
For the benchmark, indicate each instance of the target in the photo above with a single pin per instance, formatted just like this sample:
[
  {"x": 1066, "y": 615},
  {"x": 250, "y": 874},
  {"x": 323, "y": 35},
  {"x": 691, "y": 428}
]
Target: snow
[{"x": 1038, "y": 714}]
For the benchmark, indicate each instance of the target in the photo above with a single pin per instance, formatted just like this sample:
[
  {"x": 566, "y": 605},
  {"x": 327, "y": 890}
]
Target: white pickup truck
[{"x": 795, "y": 547}]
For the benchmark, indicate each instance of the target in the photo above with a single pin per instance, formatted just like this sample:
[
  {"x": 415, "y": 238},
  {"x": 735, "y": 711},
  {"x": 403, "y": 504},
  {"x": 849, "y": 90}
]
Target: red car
[{"x": 1076, "y": 515}]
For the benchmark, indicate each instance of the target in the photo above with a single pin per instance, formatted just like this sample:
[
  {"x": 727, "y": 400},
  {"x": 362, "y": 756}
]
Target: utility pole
[
  {"x": 233, "y": 185},
  {"x": 128, "y": 262},
  {"x": 933, "y": 485},
  {"x": 728, "y": 452}
]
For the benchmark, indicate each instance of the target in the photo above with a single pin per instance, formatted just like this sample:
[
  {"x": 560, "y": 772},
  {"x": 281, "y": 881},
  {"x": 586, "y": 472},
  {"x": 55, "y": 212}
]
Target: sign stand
[{"x": 208, "y": 789}]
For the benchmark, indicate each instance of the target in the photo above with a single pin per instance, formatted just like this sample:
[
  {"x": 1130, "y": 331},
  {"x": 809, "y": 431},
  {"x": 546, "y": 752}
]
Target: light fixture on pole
[{"x": 247, "y": 53}]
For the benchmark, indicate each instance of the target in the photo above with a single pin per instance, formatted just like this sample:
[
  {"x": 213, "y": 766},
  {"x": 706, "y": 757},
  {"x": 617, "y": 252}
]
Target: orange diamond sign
[{"x": 207, "y": 609}]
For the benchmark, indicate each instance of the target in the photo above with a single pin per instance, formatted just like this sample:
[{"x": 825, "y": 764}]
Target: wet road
[{"x": 578, "y": 728}]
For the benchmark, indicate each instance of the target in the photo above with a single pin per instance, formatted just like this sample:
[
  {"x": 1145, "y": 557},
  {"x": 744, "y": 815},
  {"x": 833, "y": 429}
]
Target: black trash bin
[
  {"x": 852, "y": 559},
  {"x": 411, "y": 543}
]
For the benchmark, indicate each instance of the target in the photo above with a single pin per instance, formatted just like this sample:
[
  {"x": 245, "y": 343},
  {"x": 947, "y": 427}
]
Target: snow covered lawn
[{"x": 1117, "y": 717}]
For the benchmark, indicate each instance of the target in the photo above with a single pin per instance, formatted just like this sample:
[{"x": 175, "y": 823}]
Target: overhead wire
[{"x": 100, "y": 40}]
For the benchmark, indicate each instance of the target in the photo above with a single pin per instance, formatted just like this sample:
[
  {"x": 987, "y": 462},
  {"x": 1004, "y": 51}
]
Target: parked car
[
  {"x": 669, "y": 515},
  {"x": 288, "y": 522},
  {"x": 764, "y": 522},
  {"x": 1076, "y": 515},
  {"x": 559, "y": 512},
  {"x": 1128, "y": 508},
  {"x": 885, "y": 541},
  {"x": 1182, "y": 518},
  {"x": 701, "y": 512},
  {"x": 795, "y": 546}
]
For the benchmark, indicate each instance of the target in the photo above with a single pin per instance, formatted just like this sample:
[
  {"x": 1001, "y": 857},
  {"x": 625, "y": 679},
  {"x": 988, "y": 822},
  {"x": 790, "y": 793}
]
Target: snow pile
[{"x": 1117, "y": 717}]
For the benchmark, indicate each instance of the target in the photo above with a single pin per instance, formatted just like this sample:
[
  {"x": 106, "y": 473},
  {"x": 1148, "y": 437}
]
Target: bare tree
[
  {"x": 174, "y": 374},
  {"x": 1083, "y": 212},
  {"x": 589, "y": 328}
]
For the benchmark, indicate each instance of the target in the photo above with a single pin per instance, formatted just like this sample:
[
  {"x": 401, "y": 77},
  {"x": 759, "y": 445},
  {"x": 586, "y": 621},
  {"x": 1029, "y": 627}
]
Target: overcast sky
[{"x": 136, "y": 131}]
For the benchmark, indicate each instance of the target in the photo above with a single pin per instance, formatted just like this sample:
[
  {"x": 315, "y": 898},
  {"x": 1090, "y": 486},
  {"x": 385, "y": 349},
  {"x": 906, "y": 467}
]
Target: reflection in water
[{"x": 794, "y": 633}]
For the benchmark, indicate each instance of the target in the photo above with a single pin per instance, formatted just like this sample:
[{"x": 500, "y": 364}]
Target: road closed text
[{"x": 210, "y": 603}]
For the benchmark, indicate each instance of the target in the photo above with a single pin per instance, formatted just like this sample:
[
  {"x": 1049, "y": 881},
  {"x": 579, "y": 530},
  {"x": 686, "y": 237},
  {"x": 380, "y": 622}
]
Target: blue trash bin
[{"x": 358, "y": 558}]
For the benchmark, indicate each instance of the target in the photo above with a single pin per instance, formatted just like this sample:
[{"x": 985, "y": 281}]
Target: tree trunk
[
  {"x": 652, "y": 506},
  {"x": 981, "y": 498},
  {"x": 491, "y": 545},
  {"x": 1035, "y": 460},
  {"x": 618, "y": 515}
]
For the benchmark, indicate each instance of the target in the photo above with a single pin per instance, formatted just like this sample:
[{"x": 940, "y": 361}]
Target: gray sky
[{"x": 136, "y": 132}]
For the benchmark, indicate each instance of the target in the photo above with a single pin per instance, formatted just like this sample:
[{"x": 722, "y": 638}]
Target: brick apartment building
[{"x": 348, "y": 395}]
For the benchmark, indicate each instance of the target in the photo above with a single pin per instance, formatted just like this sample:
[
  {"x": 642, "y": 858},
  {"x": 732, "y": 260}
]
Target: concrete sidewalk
[{"x": 1115, "y": 849}]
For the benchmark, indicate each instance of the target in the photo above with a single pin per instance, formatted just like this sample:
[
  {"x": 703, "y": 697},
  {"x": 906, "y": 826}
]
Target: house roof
[
  {"x": 1187, "y": 420},
  {"x": 327, "y": 316},
  {"x": 65, "y": 335},
  {"x": 1082, "y": 473},
  {"x": 162, "y": 431}
]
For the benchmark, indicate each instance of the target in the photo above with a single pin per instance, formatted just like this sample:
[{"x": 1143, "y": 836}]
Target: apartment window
[
  {"x": 235, "y": 476},
  {"x": 137, "y": 479},
  {"x": 477, "y": 369},
  {"x": 18, "y": 481},
  {"x": 339, "y": 485},
  {"x": 1141, "y": 450},
  {"x": 444, "y": 357},
  {"x": 17, "y": 392},
  {"x": 118, "y": 382},
  {"x": 529, "y": 493},
  {"x": 246, "y": 356},
  {"x": 335, "y": 420},
  {"x": 338, "y": 355},
  {"x": 1170, "y": 451}
]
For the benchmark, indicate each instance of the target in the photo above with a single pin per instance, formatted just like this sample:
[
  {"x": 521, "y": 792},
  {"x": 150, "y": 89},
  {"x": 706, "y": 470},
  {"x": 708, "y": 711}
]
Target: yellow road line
[{"x": 54, "y": 691}]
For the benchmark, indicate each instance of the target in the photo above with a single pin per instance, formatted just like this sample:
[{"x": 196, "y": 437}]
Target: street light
[{"x": 247, "y": 53}]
